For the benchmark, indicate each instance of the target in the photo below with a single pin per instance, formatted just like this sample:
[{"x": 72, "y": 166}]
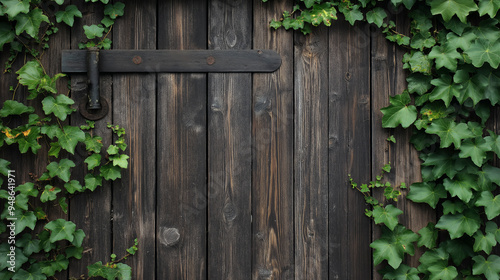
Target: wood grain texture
[
  {"x": 272, "y": 167},
  {"x": 134, "y": 103},
  {"x": 90, "y": 208},
  {"x": 311, "y": 155},
  {"x": 229, "y": 147},
  {"x": 175, "y": 61},
  {"x": 349, "y": 150},
  {"x": 388, "y": 79},
  {"x": 182, "y": 154}
]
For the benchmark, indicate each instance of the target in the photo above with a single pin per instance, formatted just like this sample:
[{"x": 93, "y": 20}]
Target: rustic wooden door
[{"x": 242, "y": 175}]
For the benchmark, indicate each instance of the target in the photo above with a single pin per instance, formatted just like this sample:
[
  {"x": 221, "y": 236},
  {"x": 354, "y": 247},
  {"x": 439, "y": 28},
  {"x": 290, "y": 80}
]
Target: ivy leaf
[
  {"x": 69, "y": 137},
  {"x": 484, "y": 242},
  {"x": 12, "y": 107},
  {"x": 7, "y": 35},
  {"x": 114, "y": 11},
  {"x": 489, "y": 7},
  {"x": 73, "y": 186},
  {"x": 353, "y": 14},
  {"x": 93, "y": 143},
  {"x": 50, "y": 130},
  {"x": 490, "y": 268},
  {"x": 448, "y": 8},
  {"x": 483, "y": 51},
  {"x": 93, "y": 31},
  {"x": 28, "y": 244},
  {"x": 418, "y": 83},
  {"x": 22, "y": 274},
  {"x": 61, "y": 230},
  {"x": 446, "y": 56},
  {"x": 399, "y": 113},
  {"x": 376, "y": 16},
  {"x": 14, "y": 7},
  {"x": 443, "y": 162},
  {"x": 433, "y": 257},
  {"x": 112, "y": 150},
  {"x": 472, "y": 88},
  {"x": 458, "y": 224},
  {"x": 30, "y": 22},
  {"x": 61, "y": 169},
  {"x": 63, "y": 204},
  {"x": 49, "y": 193},
  {"x": 59, "y": 106},
  {"x": 445, "y": 89},
  {"x": 387, "y": 215},
  {"x": 120, "y": 160},
  {"x": 486, "y": 176},
  {"x": 110, "y": 172},
  {"x": 463, "y": 42},
  {"x": 74, "y": 252},
  {"x": 27, "y": 219},
  {"x": 27, "y": 189},
  {"x": 68, "y": 15},
  {"x": 79, "y": 235},
  {"x": 475, "y": 150},
  {"x": 491, "y": 204},
  {"x": 422, "y": 40},
  {"x": 450, "y": 132},
  {"x": 30, "y": 74},
  {"x": 92, "y": 181},
  {"x": 93, "y": 161},
  {"x": 442, "y": 272},
  {"x": 403, "y": 272},
  {"x": 428, "y": 236},
  {"x": 419, "y": 62},
  {"x": 461, "y": 188},
  {"x": 429, "y": 193},
  {"x": 392, "y": 246},
  {"x": 453, "y": 207},
  {"x": 55, "y": 149}
]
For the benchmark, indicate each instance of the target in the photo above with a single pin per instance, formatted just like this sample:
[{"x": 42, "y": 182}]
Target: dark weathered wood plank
[
  {"x": 229, "y": 147},
  {"x": 349, "y": 144},
  {"x": 134, "y": 103},
  {"x": 311, "y": 155},
  {"x": 188, "y": 61},
  {"x": 182, "y": 187},
  {"x": 90, "y": 211},
  {"x": 272, "y": 168},
  {"x": 389, "y": 78}
]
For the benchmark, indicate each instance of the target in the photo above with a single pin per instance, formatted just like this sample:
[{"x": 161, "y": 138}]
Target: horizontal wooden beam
[{"x": 174, "y": 61}]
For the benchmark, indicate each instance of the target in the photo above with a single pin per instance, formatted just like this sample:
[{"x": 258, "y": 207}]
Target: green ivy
[
  {"x": 452, "y": 59},
  {"x": 25, "y": 29}
]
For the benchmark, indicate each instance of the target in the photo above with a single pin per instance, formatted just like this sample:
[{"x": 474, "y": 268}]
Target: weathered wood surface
[
  {"x": 272, "y": 147},
  {"x": 349, "y": 150},
  {"x": 229, "y": 147},
  {"x": 134, "y": 108},
  {"x": 239, "y": 176},
  {"x": 182, "y": 154},
  {"x": 184, "y": 61}
]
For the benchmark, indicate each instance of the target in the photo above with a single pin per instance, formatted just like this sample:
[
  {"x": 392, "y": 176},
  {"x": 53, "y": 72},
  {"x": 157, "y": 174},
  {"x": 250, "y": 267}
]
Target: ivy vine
[
  {"x": 452, "y": 58},
  {"x": 40, "y": 246}
]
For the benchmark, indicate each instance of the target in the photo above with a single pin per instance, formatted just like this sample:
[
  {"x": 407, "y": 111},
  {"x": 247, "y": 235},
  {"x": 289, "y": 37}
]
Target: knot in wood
[
  {"x": 169, "y": 236},
  {"x": 230, "y": 212},
  {"x": 347, "y": 76}
]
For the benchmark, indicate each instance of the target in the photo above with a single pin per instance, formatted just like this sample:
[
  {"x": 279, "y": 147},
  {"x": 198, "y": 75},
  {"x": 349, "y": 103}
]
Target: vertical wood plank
[
  {"x": 134, "y": 108},
  {"x": 182, "y": 202},
  {"x": 388, "y": 79},
  {"x": 349, "y": 144},
  {"x": 90, "y": 211},
  {"x": 272, "y": 132},
  {"x": 311, "y": 155},
  {"x": 229, "y": 147}
]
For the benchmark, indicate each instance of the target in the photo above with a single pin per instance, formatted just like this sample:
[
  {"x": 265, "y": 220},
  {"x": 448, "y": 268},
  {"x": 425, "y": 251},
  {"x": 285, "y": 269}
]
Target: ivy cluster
[
  {"x": 452, "y": 58},
  {"x": 44, "y": 245}
]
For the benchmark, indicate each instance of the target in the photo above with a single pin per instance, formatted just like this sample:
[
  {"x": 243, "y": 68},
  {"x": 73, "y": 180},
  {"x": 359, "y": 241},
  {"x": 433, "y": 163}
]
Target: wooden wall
[{"x": 240, "y": 176}]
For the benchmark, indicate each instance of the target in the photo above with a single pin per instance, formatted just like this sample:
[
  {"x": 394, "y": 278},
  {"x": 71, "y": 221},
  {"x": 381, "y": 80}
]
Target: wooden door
[{"x": 242, "y": 175}]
